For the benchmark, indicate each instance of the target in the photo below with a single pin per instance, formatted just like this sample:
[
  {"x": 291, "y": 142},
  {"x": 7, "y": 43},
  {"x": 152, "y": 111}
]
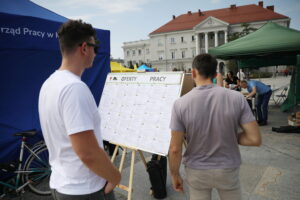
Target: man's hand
[
  {"x": 177, "y": 183},
  {"x": 175, "y": 155},
  {"x": 109, "y": 187}
]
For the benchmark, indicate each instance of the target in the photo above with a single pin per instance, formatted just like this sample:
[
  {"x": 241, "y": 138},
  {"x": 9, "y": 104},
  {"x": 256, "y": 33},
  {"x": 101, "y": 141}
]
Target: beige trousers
[{"x": 225, "y": 181}]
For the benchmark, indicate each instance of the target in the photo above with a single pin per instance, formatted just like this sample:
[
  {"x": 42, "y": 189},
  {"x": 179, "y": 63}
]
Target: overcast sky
[{"x": 131, "y": 20}]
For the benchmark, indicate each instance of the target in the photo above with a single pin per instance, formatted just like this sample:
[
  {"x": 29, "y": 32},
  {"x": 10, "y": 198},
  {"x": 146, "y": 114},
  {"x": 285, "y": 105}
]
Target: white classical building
[{"x": 175, "y": 44}]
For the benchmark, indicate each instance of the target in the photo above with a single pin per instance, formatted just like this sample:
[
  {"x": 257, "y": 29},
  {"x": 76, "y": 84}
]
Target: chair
[{"x": 282, "y": 96}]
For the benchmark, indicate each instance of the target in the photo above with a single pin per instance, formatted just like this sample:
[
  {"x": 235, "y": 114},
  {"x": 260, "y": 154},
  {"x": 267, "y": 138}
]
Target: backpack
[{"x": 157, "y": 170}]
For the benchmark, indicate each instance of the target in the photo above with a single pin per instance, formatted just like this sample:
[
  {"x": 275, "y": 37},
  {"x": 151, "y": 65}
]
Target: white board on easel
[{"x": 135, "y": 109}]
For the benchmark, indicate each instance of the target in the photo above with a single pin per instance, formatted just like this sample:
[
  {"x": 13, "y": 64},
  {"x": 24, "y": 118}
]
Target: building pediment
[{"x": 210, "y": 23}]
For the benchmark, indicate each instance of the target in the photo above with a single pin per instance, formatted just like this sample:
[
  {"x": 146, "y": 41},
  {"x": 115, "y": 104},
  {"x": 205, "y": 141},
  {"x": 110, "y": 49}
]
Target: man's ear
[
  {"x": 83, "y": 48},
  {"x": 194, "y": 73}
]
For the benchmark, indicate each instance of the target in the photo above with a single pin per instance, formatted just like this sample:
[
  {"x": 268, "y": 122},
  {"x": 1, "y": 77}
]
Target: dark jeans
[
  {"x": 94, "y": 196},
  {"x": 262, "y": 106}
]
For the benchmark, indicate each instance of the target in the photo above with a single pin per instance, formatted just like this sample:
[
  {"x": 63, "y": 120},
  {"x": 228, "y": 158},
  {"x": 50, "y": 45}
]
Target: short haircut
[
  {"x": 206, "y": 65},
  {"x": 74, "y": 32},
  {"x": 243, "y": 81}
]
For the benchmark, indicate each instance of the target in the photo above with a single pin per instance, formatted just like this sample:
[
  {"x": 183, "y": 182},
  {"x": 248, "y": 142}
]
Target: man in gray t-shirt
[{"x": 208, "y": 118}]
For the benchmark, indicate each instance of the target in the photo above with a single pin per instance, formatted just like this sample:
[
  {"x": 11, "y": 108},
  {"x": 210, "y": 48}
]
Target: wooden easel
[{"x": 128, "y": 188}]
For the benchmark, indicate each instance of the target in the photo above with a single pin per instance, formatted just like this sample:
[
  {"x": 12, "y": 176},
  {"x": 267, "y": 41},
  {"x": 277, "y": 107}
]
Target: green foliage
[
  {"x": 232, "y": 64},
  {"x": 246, "y": 30}
]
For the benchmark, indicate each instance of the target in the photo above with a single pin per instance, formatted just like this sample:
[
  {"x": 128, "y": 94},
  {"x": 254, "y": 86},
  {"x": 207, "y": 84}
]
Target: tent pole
[
  {"x": 238, "y": 64},
  {"x": 297, "y": 67}
]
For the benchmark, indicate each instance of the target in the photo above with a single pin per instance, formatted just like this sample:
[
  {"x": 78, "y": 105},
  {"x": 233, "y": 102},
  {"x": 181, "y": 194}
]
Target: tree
[
  {"x": 246, "y": 30},
  {"x": 232, "y": 64}
]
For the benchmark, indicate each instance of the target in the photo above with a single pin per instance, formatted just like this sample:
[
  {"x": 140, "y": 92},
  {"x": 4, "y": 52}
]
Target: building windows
[
  {"x": 182, "y": 39},
  {"x": 160, "y": 55},
  {"x": 193, "y": 38},
  {"x": 139, "y": 52},
  {"x": 133, "y": 52},
  {"x": 147, "y": 51},
  {"x": 193, "y": 53},
  {"x": 172, "y": 40},
  {"x": 173, "y": 55},
  {"x": 128, "y": 53},
  {"x": 183, "y": 54},
  {"x": 221, "y": 35}
]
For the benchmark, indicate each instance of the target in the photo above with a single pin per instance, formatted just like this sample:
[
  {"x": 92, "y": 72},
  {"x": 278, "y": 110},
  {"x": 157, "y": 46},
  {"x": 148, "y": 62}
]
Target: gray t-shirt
[{"x": 210, "y": 116}]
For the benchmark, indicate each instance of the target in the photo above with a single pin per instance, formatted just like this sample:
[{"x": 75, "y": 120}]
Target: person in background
[
  {"x": 212, "y": 157},
  {"x": 232, "y": 81},
  {"x": 218, "y": 79},
  {"x": 70, "y": 122},
  {"x": 241, "y": 75},
  {"x": 264, "y": 93}
]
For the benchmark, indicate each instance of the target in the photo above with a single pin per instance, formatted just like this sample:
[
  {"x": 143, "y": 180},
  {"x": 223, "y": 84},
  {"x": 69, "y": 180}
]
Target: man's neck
[
  {"x": 202, "y": 82},
  {"x": 72, "y": 65}
]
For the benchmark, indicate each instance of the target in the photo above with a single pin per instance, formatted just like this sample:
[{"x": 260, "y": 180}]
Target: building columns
[
  {"x": 206, "y": 42},
  {"x": 197, "y": 44},
  {"x": 216, "y": 38},
  {"x": 225, "y": 33}
]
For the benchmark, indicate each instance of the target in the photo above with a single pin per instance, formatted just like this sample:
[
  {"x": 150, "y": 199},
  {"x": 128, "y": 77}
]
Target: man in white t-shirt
[
  {"x": 70, "y": 122},
  {"x": 241, "y": 75}
]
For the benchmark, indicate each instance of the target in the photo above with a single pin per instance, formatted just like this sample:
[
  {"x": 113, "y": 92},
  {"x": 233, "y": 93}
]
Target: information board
[{"x": 135, "y": 109}]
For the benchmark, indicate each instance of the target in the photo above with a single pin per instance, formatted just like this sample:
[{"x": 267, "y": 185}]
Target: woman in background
[{"x": 232, "y": 82}]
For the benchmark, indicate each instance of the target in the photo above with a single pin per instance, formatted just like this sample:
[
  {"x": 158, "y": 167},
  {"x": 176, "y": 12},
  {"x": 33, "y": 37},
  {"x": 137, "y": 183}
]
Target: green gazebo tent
[{"x": 270, "y": 45}]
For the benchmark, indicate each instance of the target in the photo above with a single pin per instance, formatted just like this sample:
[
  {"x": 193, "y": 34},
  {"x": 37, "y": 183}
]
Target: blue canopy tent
[
  {"x": 145, "y": 68},
  {"x": 29, "y": 53}
]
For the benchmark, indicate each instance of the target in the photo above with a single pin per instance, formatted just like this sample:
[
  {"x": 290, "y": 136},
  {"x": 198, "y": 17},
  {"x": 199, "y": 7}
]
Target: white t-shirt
[
  {"x": 242, "y": 76},
  {"x": 66, "y": 106}
]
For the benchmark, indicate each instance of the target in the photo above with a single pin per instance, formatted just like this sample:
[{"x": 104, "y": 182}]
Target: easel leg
[
  {"x": 131, "y": 174},
  {"x": 114, "y": 154},
  {"x": 122, "y": 160},
  {"x": 143, "y": 158}
]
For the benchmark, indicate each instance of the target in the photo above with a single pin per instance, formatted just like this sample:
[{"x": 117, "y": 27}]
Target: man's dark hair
[
  {"x": 206, "y": 65},
  {"x": 74, "y": 32}
]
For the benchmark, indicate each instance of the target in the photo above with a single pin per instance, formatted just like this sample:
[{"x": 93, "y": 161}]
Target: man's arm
[
  {"x": 95, "y": 158},
  {"x": 252, "y": 93},
  {"x": 238, "y": 82},
  {"x": 175, "y": 156},
  {"x": 251, "y": 134}
]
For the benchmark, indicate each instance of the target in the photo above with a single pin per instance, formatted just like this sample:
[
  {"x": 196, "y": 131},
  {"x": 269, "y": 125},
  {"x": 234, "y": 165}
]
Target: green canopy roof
[{"x": 269, "y": 39}]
